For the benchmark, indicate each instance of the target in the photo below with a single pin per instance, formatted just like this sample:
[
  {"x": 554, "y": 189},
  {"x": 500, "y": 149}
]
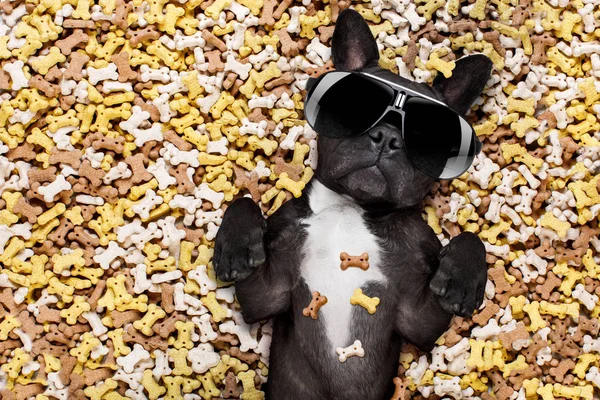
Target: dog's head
[{"x": 373, "y": 168}]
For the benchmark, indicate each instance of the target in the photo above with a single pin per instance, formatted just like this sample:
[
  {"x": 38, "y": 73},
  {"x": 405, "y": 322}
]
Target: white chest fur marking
[{"x": 337, "y": 226}]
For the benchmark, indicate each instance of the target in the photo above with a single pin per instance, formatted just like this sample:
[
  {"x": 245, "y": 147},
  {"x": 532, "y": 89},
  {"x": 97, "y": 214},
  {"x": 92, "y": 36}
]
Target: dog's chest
[{"x": 337, "y": 226}]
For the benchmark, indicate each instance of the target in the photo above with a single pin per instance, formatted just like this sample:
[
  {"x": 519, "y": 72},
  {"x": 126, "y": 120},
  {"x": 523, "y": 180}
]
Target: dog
[{"x": 365, "y": 197}]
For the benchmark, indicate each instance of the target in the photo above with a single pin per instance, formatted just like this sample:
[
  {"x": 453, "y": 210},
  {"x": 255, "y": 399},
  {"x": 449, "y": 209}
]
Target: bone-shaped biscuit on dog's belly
[{"x": 337, "y": 226}]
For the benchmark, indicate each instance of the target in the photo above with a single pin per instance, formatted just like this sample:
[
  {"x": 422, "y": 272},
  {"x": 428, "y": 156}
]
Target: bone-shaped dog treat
[
  {"x": 313, "y": 308},
  {"x": 355, "y": 349},
  {"x": 369, "y": 303},
  {"x": 361, "y": 261}
]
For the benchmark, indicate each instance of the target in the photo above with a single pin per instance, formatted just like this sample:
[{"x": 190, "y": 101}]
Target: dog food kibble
[
  {"x": 361, "y": 261},
  {"x": 315, "y": 305},
  {"x": 368, "y": 303},
  {"x": 355, "y": 349},
  {"x": 126, "y": 128}
]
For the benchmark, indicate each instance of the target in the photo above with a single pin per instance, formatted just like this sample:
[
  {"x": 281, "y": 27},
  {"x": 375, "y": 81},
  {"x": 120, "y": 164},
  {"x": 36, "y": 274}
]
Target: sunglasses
[{"x": 437, "y": 140}]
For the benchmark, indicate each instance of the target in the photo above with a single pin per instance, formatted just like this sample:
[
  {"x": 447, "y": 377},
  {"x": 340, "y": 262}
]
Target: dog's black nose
[{"x": 385, "y": 138}]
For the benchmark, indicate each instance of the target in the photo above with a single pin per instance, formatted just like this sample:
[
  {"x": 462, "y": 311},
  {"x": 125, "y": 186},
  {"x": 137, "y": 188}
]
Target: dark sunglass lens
[
  {"x": 438, "y": 141},
  {"x": 343, "y": 104}
]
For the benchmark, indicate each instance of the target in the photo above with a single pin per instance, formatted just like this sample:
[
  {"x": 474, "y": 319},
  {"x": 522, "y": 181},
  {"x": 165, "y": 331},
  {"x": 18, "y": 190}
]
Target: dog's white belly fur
[{"x": 337, "y": 226}]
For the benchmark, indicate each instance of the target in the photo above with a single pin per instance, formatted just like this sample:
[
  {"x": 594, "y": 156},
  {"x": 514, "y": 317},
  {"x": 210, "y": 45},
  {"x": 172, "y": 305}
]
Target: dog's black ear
[
  {"x": 466, "y": 83},
  {"x": 353, "y": 46}
]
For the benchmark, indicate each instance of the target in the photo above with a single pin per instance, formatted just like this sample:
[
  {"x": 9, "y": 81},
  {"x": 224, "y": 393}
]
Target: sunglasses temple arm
[{"x": 478, "y": 146}]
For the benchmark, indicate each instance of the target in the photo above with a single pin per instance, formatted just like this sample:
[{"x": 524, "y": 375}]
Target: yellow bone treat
[
  {"x": 145, "y": 324},
  {"x": 368, "y": 303},
  {"x": 218, "y": 312},
  {"x": 79, "y": 306}
]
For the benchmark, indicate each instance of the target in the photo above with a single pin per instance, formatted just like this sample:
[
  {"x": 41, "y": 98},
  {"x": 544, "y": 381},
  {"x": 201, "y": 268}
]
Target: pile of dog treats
[{"x": 126, "y": 127}]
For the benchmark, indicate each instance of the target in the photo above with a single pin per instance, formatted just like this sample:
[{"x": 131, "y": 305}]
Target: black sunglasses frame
[{"x": 400, "y": 96}]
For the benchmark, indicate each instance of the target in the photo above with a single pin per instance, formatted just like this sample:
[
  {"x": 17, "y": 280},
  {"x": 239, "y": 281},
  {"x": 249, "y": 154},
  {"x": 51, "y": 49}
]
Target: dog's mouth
[{"x": 367, "y": 182}]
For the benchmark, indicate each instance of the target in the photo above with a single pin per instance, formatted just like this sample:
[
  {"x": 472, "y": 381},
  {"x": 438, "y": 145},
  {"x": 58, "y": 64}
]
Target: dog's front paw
[
  {"x": 239, "y": 244},
  {"x": 461, "y": 277}
]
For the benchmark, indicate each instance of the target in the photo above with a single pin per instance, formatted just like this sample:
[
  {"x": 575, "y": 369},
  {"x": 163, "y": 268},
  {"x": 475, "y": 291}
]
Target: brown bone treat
[
  {"x": 337, "y": 6},
  {"x": 586, "y": 325},
  {"x": 56, "y": 335},
  {"x": 540, "y": 42},
  {"x": 28, "y": 211},
  {"x": 266, "y": 17},
  {"x": 184, "y": 184},
  {"x": 105, "y": 142},
  {"x": 231, "y": 390},
  {"x": 316, "y": 303},
  {"x": 91, "y": 376},
  {"x": 283, "y": 5},
  {"x": 293, "y": 170},
  {"x": 87, "y": 211},
  {"x": 289, "y": 47},
  {"x": 517, "y": 377},
  {"x": 325, "y": 33},
  {"x": 192, "y": 235},
  {"x": 122, "y": 62},
  {"x": 214, "y": 41},
  {"x": 508, "y": 338},
  {"x": 123, "y": 8},
  {"x": 121, "y": 318},
  {"x": 493, "y": 37},
  {"x": 215, "y": 64},
  {"x": 108, "y": 193},
  {"x": 28, "y": 324},
  {"x": 9, "y": 345},
  {"x": 78, "y": 24},
  {"x": 285, "y": 79},
  {"x": 141, "y": 35},
  {"x": 69, "y": 157},
  {"x": 569, "y": 147},
  {"x": 54, "y": 74},
  {"x": 24, "y": 152},
  {"x": 39, "y": 83},
  {"x": 66, "y": 102},
  {"x": 462, "y": 25},
  {"x": 562, "y": 254},
  {"x": 5, "y": 80},
  {"x": 151, "y": 108},
  {"x": 94, "y": 175},
  {"x": 67, "y": 363},
  {"x": 42, "y": 345},
  {"x": 7, "y": 300},
  {"x": 545, "y": 250},
  {"x": 97, "y": 294},
  {"x": 167, "y": 291},
  {"x": 81, "y": 236},
  {"x": 37, "y": 175},
  {"x": 399, "y": 389},
  {"x": 174, "y": 138},
  {"x": 361, "y": 261},
  {"x": 501, "y": 389},
  {"x": 549, "y": 117},
  {"x": 229, "y": 80},
  {"x": 411, "y": 55},
  {"x": 318, "y": 71},
  {"x": 531, "y": 351},
  {"x": 559, "y": 372},
  {"x": 139, "y": 173},
  {"x": 483, "y": 316},
  {"x": 6, "y": 7},
  {"x": 585, "y": 234},
  {"x": 248, "y": 358},
  {"x": 440, "y": 203},
  {"x": 77, "y": 382},
  {"x": 67, "y": 44},
  {"x": 551, "y": 283},
  {"x": 27, "y": 391},
  {"x": 75, "y": 68},
  {"x": 497, "y": 275},
  {"x": 519, "y": 15},
  {"x": 151, "y": 343},
  {"x": 515, "y": 290},
  {"x": 166, "y": 326}
]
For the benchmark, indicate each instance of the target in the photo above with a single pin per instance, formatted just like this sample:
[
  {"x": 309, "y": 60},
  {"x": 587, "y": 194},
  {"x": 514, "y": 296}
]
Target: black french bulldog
[{"x": 365, "y": 198}]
